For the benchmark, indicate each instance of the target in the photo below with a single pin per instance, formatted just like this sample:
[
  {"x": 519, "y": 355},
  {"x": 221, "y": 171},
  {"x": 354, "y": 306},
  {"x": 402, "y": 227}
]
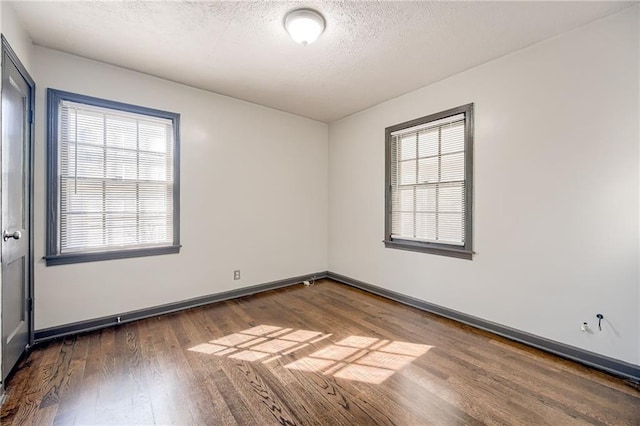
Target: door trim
[{"x": 13, "y": 57}]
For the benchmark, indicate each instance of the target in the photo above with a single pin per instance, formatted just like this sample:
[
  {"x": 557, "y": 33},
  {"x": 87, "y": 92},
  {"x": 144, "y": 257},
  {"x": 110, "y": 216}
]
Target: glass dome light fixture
[{"x": 304, "y": 25}]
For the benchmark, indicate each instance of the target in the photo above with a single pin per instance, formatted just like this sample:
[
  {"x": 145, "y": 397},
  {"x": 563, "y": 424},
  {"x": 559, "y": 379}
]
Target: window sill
[
  {"x": 66, "y": 259},
  {"x": 440, "y": 250}
]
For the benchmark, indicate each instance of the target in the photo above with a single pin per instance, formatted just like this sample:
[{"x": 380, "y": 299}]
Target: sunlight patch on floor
[
  {"x": 365, "y": 359},
  {"x": 260, "y": 342},
  {"x": 359, "y": 358}
]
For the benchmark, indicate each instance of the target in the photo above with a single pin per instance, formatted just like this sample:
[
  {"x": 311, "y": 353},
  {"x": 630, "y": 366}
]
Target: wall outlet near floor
[{"x": 236, "y": 274}]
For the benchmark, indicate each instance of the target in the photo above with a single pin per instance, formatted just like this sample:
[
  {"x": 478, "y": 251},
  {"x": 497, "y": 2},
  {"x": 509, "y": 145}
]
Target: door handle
[{"x": 15, "y": 235}]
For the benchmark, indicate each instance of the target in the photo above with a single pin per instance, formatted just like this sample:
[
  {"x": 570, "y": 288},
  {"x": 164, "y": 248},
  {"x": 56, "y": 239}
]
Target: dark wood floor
[{"x": 326, "y": 354}]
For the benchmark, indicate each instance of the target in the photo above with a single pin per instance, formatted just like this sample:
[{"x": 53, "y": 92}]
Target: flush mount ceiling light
[{"x": 304, "y": 25}]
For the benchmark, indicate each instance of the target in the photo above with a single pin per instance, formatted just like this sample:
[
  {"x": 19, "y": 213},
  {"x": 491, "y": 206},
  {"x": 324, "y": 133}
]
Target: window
[
  {"x": 113, "y": 180},
  {"x": 429, "y": 183}
]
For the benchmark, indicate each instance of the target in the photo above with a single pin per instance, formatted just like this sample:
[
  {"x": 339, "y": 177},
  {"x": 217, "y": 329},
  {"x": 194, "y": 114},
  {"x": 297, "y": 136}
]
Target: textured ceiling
[{"x": 369, "y": 52}]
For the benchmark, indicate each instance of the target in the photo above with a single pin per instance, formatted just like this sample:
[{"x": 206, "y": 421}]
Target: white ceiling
[{"x": 369, "y": 52}]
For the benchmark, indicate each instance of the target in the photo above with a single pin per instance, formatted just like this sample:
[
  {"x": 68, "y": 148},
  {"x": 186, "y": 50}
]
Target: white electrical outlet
[{"x": 236, "y": 274}]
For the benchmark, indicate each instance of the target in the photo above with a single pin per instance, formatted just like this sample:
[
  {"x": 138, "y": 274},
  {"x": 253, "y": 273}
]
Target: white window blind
[
  {"x": 115, "y": 179},
  {"x": 428, "y": 182}
]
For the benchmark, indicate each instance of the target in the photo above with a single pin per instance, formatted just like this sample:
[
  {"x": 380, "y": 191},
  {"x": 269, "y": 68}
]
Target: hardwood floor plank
[
  {"x": 19, "y": 384},
  {"x": 522, "y": 353},
  {"x": 45, "y": 416},
  {"x": 159, "y": 381},
  {"x": 204, "y": 368},
  {"x": 59, "y": 375},
  {"x": 238, "y": 408},
  {"x": 550, "y": 390},
  {"x": 326, "y": 354},
  {"x": 69, "y": 395},
  {"x": 135, "y": 372},
  {"x": 35, "y": 388},
  {"x": 260, "y": 399},
  {"x": 180, "y": 382}
]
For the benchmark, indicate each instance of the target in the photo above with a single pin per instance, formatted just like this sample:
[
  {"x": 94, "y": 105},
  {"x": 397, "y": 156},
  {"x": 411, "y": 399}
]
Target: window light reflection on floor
[
  {"x": 364, "y": 359},
  {"x": 260, "y": 343}
]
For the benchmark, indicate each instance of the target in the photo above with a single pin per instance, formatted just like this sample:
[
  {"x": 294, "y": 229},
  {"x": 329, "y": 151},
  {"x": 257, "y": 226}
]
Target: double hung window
[
  {"x": 113, "y": 180},
  {"x": 429, "y": 183}
]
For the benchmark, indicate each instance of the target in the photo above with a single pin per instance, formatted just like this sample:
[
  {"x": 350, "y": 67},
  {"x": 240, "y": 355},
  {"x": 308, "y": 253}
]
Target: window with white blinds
[
  {"x": 115, "y": 189},
  {"x": 429, "y": 175}
]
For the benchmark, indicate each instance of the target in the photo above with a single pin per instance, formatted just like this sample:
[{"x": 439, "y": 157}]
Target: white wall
[
  {"x": 16, "y": 35},
  {"x": 556, "y": 215},
  {"x": 253, "y": 197}
]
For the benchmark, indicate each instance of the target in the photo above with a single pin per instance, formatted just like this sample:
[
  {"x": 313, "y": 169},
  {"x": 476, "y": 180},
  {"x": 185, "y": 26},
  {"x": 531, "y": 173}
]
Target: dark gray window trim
[
  {"x": 53, "y": 257},
  {"x": 465, "y": 252}
]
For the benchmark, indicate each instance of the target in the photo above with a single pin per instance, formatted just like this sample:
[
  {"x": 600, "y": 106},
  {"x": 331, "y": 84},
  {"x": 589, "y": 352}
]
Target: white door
[{"x": 16, "y": 255}]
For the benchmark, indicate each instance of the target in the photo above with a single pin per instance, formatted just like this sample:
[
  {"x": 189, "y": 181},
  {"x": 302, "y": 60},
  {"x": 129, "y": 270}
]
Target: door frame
[{"x": 13, "y": 57}]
